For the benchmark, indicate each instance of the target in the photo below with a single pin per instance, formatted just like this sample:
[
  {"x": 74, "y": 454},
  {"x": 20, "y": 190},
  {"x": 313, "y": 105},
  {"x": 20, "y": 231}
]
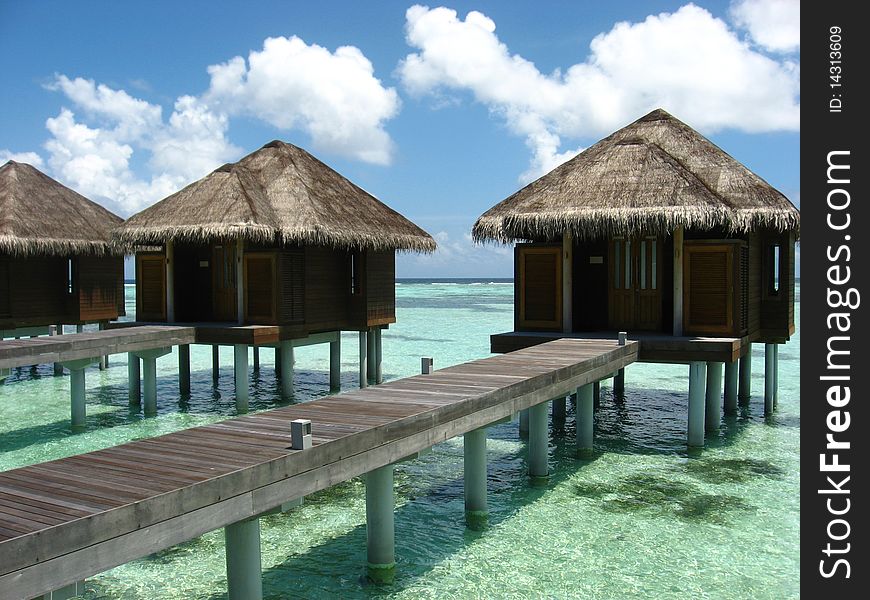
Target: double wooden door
[{"x": 635, "y": 294}]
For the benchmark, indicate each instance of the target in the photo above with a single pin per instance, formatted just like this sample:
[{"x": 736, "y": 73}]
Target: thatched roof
[
  {"x": 278, "y": 194},
  {"x": 39, "y": 215},
  {"x": 652, "y": 176}
]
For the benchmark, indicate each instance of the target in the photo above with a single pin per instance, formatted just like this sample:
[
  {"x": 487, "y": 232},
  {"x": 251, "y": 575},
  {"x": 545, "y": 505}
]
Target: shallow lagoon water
[{"x": 640, "y": 518}]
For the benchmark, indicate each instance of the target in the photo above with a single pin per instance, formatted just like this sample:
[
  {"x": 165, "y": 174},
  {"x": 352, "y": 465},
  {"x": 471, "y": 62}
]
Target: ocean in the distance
[{"x": 640, "y": 519}]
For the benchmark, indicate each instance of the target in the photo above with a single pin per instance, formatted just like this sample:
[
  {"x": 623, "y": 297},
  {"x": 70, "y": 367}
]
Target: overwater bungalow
[
  {"x": 276, "y": 239},
  {"x": 656, "y": 231},
  {"x": 56, "y": 263}
]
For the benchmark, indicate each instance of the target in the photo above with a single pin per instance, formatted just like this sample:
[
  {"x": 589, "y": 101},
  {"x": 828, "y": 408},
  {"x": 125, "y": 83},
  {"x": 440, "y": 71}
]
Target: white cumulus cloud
[
  {"x": 687, "y": 62},
  {"x": 94, "y": 157},
  {"x": 772, "y": 24},
  {"x": 31, "y": 158},
  {"x": 333, "y": 96}
]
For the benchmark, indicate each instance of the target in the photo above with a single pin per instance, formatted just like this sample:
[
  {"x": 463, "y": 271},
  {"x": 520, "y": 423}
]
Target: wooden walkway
[
  {"x": 76, "y": 346},
  {"x": 71, "y": 518},
  {"x": 654, "y": 347}
]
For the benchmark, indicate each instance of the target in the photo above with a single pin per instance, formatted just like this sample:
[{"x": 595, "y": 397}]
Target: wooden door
[
  {"x": 224, "y": 293},
  {"x": 260, "y": 276},
  {"x": 150, "y": 287},
  {"x": 635, "y": 294},
  {"x": 539, "y": 287}
]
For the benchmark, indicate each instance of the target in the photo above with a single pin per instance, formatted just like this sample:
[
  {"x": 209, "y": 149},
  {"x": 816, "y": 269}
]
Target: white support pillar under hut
[
  {"x": 335, "y": 364},
  {"x": 524, "y": 423},
  {"x": 775, "y": 376},
  {"x": 770, "y": 368},
  {"x": 170, "y": 282},
  {"x": 474, "y": 461},
  {"x": 713, "y": 396},
  {"x": 363, "y": 358},
  {"x": 244, "y": 566},
  {"x": 149, "y": 377},
  {"x": 240, "y": 369},
  {"x": 744, "y": 390},
  {"x": 372, "y": 350},
  {"x": 678, "y": 281},
  {"x": 380, "y": 525},
  {"x": 287, "y": 358},
  {"x": 134, "y": 387},
  {"x": 379, "y": 356},
  {"x": 215, "y": 362},
  {"x": 538, "y": 441},
  {"x": 255, "y": 350},
  {"x": 697, "y": 386},
  {"x": 585, "y": 416},
  {"x": 184, "y": 369},
  {"x": 240, "y": 281},
  {"x": 567, "y": 282},
  {"x": 619, "y": 383},
  {"x": 731, "y": 385}
]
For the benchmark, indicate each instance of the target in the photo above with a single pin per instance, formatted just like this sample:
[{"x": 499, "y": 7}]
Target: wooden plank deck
[
  {"x": 68, "y": 519},
  {"x": 654, "y": 347},
  {"x": 74, "y": 346}
]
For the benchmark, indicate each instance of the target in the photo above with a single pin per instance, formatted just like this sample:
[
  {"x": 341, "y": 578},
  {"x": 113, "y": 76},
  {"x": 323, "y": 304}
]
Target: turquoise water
[{"x": 639, "y": 519}]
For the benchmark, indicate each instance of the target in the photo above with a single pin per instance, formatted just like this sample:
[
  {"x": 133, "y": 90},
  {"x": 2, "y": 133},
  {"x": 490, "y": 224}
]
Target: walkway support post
[
  {"x": 697, "y": 376},
  {"x": 619, "y": 383},
  {"x": 134, "y": 385},
  {"x": 240, "y": 368},
  {"x": 538, "y": 441},
  {"x": 285, "y": 354},
  {"x": 244, "y": 568},
  {"x": 731, "y": 384},
  {"x": 585, "y": 419},
  {"x": 769, "y": 378},
  {"x": 596, "y": 394},
  {"x": 380, "y": 526},
  {"x": 474, "y": 451},
  {"x": 560, "y": 409},
  {"x": 524, "y": 423},
  {"x": 184, "y": 368},
  {"x": 744, "y": 390},
  {"x": 77, "y": 389},
  {"x": 57, "y": 330},
  {"x": 335, "y": 364},
  {"x": 149, "y": 377},
  {"x": 363, "y": 359},
  {"x": 713, "y": 396},
  {"x": 256, "y": 353}
]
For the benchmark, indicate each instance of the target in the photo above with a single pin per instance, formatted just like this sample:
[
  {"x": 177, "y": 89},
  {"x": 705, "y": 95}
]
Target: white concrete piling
[
  {"x": 134, "y": 387},
  {"x": 184, "y": 369},
  {"x": 474, "y": 451},
  {"x": 538, "y": 441},
  {"x": 744, "y": 390},
  {"x": 585, "y": 419},
  {"x": 697, "y": 385},
  {"x": 244, "y": 566},
  {"x": 240, "y": 370},
  {"x": 363, "y": 359},
  {"x": 769, "y": 378},
  {"x": 731, "y": 387},
  {"x": 380, "y": 525},
  {"x": 713, "y": 396},
  {"x": 287, "y": 359},
  {"x": 335, "y": 364}
]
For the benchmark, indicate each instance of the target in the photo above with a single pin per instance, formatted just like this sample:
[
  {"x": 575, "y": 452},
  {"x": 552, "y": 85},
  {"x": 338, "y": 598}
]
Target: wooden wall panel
[
  {"x": 5, "y": 300},
  {"x": 540, "y": 287},
  {"x": 291, "y": 286},
  {"x": 326, "y": 288},
  {"x": 380, "y": 287},
  {"x": 38, "y": 292},
  {"x": 260, "y": 288},
  {"x": 97, "y": 287}
]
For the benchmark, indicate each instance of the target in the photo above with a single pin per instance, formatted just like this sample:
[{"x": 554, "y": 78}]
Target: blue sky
[{"x": 439, "y": 111}]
